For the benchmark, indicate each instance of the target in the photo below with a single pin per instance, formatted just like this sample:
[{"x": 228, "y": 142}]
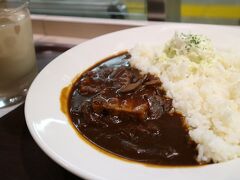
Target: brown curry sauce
[{"x": 127, "y": 113}]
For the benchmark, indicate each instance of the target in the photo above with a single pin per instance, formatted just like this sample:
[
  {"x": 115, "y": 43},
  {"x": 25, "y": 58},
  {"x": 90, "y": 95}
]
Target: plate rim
[{"x": 48, "y": 151}]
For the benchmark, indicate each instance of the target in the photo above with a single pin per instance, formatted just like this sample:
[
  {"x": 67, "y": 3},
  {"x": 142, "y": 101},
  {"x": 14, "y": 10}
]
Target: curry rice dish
[{"x": 176, "y": 104}]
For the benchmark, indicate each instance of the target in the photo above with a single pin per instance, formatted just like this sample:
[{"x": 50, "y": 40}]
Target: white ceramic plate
[{"x": 53, "y": 133}]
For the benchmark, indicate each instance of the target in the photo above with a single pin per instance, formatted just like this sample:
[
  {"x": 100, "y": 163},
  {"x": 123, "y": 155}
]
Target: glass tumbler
[{"x": 17, "y": 54}]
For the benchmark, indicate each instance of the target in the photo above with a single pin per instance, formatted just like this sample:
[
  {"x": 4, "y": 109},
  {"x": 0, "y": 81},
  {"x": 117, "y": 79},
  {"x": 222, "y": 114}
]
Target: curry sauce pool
[{"x": 127, "y": 113}]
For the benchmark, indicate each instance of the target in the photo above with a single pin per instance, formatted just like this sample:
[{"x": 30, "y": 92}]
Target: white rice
[{"x": 205, "y": 87}]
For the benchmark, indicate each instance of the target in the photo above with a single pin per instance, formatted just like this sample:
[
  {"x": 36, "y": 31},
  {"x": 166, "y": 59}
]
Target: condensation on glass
[{"x": 17, "y": 53}]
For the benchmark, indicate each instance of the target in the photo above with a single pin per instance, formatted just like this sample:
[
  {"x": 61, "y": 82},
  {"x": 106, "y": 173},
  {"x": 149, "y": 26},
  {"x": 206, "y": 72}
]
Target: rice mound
[{"x": 205, "y": 87}]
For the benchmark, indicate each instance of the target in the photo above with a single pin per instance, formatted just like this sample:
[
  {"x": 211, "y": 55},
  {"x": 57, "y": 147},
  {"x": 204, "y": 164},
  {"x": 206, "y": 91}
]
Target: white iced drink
[{"x": 17, "y": 54}]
